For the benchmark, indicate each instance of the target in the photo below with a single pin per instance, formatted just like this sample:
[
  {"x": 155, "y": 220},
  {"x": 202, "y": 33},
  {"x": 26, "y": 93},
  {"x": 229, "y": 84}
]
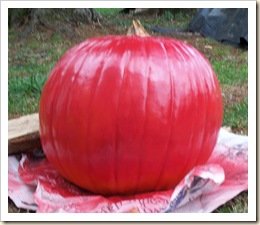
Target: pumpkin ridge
[
  {"x": 183, "y": 54},
  {"x": 175, "y": 104},
  {"x": 173, "y": 101},
  {"x": 177, "y": 48},
  {"x": 194, "y": 120},
  {"x": 206, "y": 100},
  {"x": 192, "y": 60},
  {"x": 162, "y": 43},
  {"x": 211, "y": 92},
  {"x": 89, "y": 47},
  {"x": 54, "y": 109},
  {"x": 206, "y": 82},
  {"x": 86, "y": 49},
  {"x": 145, "y": 119},
  {"x": 109, "y": 51},
  {"x": 126, "y": 56}
]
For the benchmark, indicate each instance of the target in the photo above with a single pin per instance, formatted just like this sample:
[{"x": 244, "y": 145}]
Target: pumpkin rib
[
  {"x": 125, "y": 58},
  {"x": 173, "y": 100},
  {"x": 86, "y": 49},
  {"x": 116, "y": 168},
  {"x": 162, "y": 171},
  {"x": 190, "y": 152},
  {"x": 200, "y": 104},
  {"x": 176, "y": 104},
  {"x": 217, "y": 99},
  {"x": 206, "y": 102},
  {"x": 180, "y": 56},
  {"x": 186, "y": 63},
  {"x": 54, "y": 100},
  {"x": 145, "y": 119},
  {"x": 70, "y": 163},
  {"x": 97, "y": 86},
  {"x": 192, "y": 60},
  {"x": 69, "y": 96},
  {"x": 192, "y": 158},
  {"x": 213, "y": 101},
  {"x": 56, "y": 108},
  {"x": 206, "y": 99}
]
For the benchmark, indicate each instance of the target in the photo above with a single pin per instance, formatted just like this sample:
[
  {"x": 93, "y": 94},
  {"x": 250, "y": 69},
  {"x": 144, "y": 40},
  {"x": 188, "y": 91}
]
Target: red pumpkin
[{"x": 129, "y": 114}]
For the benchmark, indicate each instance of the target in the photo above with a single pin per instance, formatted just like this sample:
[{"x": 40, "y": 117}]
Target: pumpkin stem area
[{"x": 137, "y": 29}]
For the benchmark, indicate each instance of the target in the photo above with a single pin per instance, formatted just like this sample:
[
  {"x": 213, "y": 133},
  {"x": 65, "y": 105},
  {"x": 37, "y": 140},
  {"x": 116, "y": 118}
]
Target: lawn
[{"x": 30, "y": 62}]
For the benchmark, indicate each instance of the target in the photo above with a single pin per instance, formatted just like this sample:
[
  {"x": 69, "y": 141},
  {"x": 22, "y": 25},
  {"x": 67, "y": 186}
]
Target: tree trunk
[{"x": 27, "y": 21}]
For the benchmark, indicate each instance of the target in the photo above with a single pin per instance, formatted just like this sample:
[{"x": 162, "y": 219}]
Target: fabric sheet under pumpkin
[{"x": 34, "y": 184}]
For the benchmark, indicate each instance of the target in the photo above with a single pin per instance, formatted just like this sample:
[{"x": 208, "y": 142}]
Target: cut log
[{"x": 23, "y": 134}]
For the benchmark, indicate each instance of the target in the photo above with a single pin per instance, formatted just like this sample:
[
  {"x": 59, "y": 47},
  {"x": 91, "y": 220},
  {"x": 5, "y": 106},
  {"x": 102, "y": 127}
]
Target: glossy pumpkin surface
[{"x": 129, "y": 114}]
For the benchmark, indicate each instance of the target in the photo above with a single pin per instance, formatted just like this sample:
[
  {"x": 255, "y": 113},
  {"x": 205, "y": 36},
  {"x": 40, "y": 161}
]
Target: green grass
[
  {"x": 236, "y": 115},
  {"x": 231, "y": 67},
  {"x": 229, "y": 64},
  {"x": 229, "y": 72},
  {"x": 108, "y": 12},
  {"x": 29, "y": 64},
  {"x": 238, "y": 204},
  {"x": 167, "y": 19},
  {"x": 31, "y": 61},
  {"x": 24, "y": 93}
]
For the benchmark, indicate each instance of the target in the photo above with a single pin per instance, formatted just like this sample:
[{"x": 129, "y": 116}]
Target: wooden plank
[
  {"x": 23, "y": 134},
  {"x": 23, "y": 125}
]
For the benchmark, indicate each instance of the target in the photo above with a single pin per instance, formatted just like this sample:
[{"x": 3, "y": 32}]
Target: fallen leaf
[{"x": 208, "y": 46}]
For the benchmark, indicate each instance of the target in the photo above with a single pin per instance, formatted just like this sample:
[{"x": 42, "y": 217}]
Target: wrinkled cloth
[{"x": 34, "y": 184}]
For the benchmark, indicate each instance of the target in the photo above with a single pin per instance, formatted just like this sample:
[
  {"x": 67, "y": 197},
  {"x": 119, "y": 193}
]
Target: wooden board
[{"x": 23, "y": 134}]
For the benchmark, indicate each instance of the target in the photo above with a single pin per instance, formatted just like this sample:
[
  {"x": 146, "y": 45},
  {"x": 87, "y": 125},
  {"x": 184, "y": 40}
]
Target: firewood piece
[{"x": 23, "y": 134}]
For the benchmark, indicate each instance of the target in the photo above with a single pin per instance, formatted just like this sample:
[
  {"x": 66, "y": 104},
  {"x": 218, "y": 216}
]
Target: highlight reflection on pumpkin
[{"x": 129, "y": 114}]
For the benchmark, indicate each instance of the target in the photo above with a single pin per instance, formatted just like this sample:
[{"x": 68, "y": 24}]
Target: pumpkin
[{"x": 129, "y": 114}]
